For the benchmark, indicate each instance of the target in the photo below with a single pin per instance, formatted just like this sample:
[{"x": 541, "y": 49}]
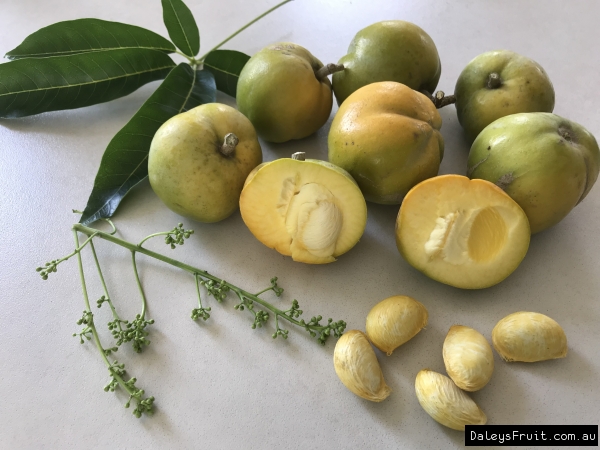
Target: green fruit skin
[
  {"x": 392, "y": 50},
  {"x": 280, "y": 94},
  {"x": 187, "y": 170},
  {"x": 547, "y": 164},
  {"x": 525, "y": 87}
]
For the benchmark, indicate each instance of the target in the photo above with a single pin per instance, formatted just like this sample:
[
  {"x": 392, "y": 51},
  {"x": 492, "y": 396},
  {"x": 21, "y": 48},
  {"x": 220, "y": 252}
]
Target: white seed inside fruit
[
  {"x": 312, "y": 218},
  {"x": 445, "y": 402},
  {"x": 467, "y": 235}
]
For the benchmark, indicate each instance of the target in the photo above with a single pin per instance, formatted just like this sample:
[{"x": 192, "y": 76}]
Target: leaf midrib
[
  {"x": 87, "y": 83},
  {"x": 187, "y": 41},
  {"x": 91, "y": 50},
  {"x": 221, "y": 70},
  {"x": 146, "y": 157}
]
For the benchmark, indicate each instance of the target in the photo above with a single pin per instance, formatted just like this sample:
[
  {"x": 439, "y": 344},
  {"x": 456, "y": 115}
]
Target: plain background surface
[{"x": 221, "y": 384}]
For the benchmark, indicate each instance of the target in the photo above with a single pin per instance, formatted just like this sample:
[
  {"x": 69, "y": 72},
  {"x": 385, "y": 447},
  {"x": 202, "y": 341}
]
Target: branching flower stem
[
  {"x": 246, "y": 298},
  {"x": 139, "y": 284},
  {"x": 101, "y": 276},
  {"x": 135, "y": 330},
  {"x": 144, "y": 405}
]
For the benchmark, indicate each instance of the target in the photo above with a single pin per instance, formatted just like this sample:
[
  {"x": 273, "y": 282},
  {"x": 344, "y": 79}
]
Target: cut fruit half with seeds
[
  {"x": 310, "y": 210},
  {"x": 466, "y": 233}
]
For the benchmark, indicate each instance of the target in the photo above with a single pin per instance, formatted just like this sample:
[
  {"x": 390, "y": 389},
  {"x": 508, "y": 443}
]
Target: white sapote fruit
[
  {"x": 468, "y": 358},
  {"x": 466, "y": 233},
  {"x": 394, "y": 321},
  {"x": 310, "y": 210},
  {"x": 529, "y": 337},
  {"x": 284, "y": 91},
  {"x": 546, "y": 163},
  {"x": 445, "y": 402},
  {"x": 199, "y": 160},
  {"x": 357, "y": 367},
  {"x": 499, "y": 83}
]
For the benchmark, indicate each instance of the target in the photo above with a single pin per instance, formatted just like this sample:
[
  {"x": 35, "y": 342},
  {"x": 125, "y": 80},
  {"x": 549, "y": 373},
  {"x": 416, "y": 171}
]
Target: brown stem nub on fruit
[
  {"x": 228, "y": 147},
  {"x": 494, "y": 81},
  {"x": 328, "y": 69},
  {"x": 300, "y": 156},
  {"x": 439, "y": 99}
]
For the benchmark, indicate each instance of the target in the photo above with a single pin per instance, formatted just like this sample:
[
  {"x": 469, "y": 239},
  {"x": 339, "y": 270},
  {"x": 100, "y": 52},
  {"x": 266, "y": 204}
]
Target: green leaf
[
  {"x": 36, "y": 85},
  {"x": 125, "y": 161},
  {"x": 86, "y": 35},
  {"x": 226, "y": 66},
  {"x": 181, "y": 26}
]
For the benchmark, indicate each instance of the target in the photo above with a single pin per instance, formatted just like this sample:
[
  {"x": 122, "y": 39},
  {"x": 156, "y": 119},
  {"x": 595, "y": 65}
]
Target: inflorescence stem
[
  {"x": 134, "y": 331},
  {"x": 204, "y": 276},
  {"x": 117, "y": 376}
]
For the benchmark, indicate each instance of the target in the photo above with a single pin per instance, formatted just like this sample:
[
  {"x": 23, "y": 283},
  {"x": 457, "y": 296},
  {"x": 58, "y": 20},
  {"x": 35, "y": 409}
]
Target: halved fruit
[
  {"x": 466, "y": 233},
  {"x": 310, "y": 210}
]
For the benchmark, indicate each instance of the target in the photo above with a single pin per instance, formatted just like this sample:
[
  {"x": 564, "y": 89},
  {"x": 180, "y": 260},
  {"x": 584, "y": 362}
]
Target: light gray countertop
[{"x": 220, "y": 384}]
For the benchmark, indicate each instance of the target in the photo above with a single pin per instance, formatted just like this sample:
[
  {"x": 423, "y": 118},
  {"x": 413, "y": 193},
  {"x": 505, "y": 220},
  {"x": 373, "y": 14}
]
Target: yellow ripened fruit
[
  {"x": 357, "y": 367},
  {"x": 466, "y": 233},
  {"x": 468, "y": 358},
  {"x": 310, "y": 210},
  {"x": 394, "y": 321},
  {"x": 529, "y": 337},
  {"x": 445, "y": 402},
  {"x": 387, "y": 137},
  {"x": 199, "y": 160}
]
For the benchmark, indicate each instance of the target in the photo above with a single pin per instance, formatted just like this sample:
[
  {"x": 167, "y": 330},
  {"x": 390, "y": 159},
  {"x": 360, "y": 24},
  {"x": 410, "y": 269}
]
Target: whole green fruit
[
  {"x": 199, "y": 160},
  {"x": 393, "y": 50},
  {"x": 547, "y": 164},
  {"x": 497, "y": 84},
  {"x": 278, "y": 90}
]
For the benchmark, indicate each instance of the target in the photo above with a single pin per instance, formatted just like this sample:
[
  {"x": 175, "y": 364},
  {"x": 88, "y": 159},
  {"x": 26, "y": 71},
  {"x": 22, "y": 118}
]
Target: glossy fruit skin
[
  {"x": 386, "y": 135},
  {"x": 392, "y": 50},
  {"x": 524, "y": 87},
  {"x": 546, "y": 163},
  {"x": 187, "y": 170},
  {"x": 280, "y": 94}
]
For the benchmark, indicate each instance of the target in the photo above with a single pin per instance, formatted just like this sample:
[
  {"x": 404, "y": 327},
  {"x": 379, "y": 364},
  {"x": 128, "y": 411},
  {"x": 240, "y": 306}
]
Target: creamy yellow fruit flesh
[
  {"x": 310, "y": 210},
  {"x": 466, "y": 233}
]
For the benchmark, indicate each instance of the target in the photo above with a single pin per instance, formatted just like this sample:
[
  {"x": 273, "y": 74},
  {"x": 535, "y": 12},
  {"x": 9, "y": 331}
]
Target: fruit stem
[
  {"x": 229, "y": 144},
  {"x": 440, "y": 99},
  {"x": 494, "y": 81},
  {"x": 300, "y": 156},
  {"x": 328, "y": 69}
]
